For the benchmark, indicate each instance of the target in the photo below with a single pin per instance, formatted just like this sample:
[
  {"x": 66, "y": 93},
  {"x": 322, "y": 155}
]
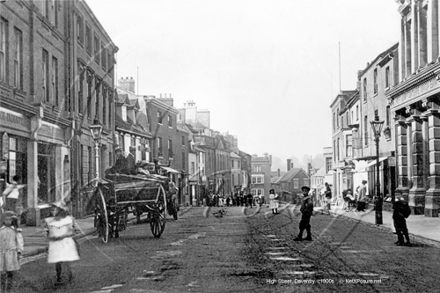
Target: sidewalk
[{"x": 422, "y": 229}]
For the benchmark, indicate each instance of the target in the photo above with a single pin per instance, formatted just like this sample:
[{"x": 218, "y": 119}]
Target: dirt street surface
[{"x": 239, "y": 252}]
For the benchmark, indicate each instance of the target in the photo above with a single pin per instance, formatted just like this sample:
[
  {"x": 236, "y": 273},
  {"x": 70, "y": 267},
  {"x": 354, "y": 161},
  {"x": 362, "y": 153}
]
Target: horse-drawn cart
[{"x": 119, "y": 195}]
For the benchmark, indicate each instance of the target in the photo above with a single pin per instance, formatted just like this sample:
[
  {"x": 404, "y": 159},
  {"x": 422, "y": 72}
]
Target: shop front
[{"x": 35, "y": 150}]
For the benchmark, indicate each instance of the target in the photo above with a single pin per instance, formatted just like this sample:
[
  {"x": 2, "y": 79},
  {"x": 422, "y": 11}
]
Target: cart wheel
[
  {"x": 102, "y": 223},
  {"x": 157, "y": 221}
]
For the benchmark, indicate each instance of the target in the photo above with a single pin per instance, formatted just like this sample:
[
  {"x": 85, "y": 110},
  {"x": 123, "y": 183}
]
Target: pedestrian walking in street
[
  {"x": 401, "y": 212},
  {"x": 362, "y": 196},
  {"x": 11, "y": 247},
  {"x": 307, "y": 212},
  {"x": 273, "y": 204},
  {"x": 62, "y": 247},
  {"x": 11, "y": 194},
  {"x": 328, "y": 196},
  {"x": 250, "y": 199}
]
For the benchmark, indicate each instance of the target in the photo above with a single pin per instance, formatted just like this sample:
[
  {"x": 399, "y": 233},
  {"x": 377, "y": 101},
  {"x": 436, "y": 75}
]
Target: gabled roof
[
  {"x": 344, "y": 95},
  {"x": 191, "y": 128},
  {"x": 321, "y": 173},
  {"x": 291, "y": 174},
  {"x": 135, "y": 103},
  {"x": 235, "y": 156},
  {"x": 384, "y": 55},
  {"x": 276, "y": 179},
  {"x": 122, "y": 99},
  {"x": 129, "y": 127}
]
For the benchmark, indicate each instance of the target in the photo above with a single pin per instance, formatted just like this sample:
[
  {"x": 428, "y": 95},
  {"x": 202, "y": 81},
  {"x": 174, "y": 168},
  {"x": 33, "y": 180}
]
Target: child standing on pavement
[
  {"x": 62, "y": 247},
  {"x": 11, "y": 247}
]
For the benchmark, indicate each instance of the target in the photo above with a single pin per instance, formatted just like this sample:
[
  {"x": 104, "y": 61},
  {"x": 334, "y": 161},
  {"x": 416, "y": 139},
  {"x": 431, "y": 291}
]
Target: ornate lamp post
[
  {"x": 377, "y": 125},
  {"x": 96, "y": 130}
]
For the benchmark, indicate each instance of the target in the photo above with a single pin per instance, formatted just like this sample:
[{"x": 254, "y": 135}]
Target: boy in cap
[
  {"x": 307, "y": 212},
  {"x": 401, "y": 211}
]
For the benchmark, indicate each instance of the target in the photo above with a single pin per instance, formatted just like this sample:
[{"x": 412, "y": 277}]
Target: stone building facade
[
  {"x": 51, "y": 88},
  {"x": 380, "y": 75},
  {"x": 91, "y": 97},
  {"x": 415, "y": 106}
]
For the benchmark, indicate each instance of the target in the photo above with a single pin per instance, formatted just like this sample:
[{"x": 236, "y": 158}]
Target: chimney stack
[
  {"x": 278, "y": 172},
  {"x": 126, "y": 84},
  {"x": 289, "y": 162}
]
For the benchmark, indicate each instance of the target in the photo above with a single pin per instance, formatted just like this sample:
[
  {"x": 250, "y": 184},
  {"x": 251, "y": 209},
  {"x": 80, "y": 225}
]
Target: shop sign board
[{"x": 5, "y": 146}]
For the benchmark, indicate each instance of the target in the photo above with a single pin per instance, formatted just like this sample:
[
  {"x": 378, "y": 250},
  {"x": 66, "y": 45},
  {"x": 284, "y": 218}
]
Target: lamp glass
[
  {"x": 96, "y": 130},
  {"x": 377, "y": 127}
]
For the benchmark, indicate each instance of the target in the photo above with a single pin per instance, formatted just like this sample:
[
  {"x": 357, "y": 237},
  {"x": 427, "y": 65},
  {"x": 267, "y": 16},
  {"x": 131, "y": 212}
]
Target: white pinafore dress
[{"x": 64, "y": 249}]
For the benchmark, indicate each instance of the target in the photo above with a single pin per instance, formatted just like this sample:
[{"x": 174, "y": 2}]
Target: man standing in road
[
  {"x": 401, "y": 211},
  {"x": 307, "y": 212}
]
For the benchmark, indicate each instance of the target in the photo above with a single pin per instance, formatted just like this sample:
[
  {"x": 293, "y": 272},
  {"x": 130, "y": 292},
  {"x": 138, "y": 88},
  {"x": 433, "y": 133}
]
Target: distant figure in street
[
  {"x": 401, "y": 211},
  {"x": 273, "y": 201},
  {"x": 11, "y": 194},
  {"x": 362, "y": 196},
  {"x": 11, "y": 247},
  {"x": 307, "y": 212},
  {"x": 328, "y": 196},
  {"x": 250, "y": 199},
  {"x": 62, "y": 247}
]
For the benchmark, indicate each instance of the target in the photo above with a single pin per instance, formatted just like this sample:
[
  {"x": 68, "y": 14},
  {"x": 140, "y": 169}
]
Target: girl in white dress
[
  {"x": 62, "y": 248},
  {"x": 273, "y": 204},
  {"x": 11, "y": 246}
]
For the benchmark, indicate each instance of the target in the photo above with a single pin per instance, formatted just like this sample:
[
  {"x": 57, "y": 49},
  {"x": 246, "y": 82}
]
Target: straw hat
[{"x": 59, "y": 204}]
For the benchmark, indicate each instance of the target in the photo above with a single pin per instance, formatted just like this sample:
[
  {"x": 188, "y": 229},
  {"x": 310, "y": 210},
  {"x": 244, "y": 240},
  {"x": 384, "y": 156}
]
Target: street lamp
[
  {"x": 96, "y": 130},
  {"x": 377, "y": 128}
]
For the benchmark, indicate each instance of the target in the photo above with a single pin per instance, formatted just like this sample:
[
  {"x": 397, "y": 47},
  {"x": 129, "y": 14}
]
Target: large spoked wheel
[
  {"x": 102, "y": 223},
  {"x": 157, "y": 224},
  {"x": 157, "y": 217}
]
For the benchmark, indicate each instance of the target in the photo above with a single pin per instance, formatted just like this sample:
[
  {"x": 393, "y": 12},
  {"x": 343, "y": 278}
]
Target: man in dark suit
[
  {"x": 121, "y": 163},
  {"x": 131, "y": 161}
]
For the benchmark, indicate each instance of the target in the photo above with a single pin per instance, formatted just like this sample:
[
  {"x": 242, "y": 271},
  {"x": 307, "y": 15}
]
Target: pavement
[{"x": 421, "y": 229}]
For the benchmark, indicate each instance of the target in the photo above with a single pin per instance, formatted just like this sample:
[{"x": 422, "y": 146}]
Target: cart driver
[{"x": 120, "y": 165}]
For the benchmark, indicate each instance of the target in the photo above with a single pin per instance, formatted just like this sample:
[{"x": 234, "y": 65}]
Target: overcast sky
[{"x": 267, "y": 70}]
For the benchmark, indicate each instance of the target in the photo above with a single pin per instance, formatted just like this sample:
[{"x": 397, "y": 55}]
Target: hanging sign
[{"x": 5, "y": 146}]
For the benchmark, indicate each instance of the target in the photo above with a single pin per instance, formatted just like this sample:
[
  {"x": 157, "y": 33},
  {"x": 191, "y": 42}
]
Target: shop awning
[
  {"x": 364, "y": 166},
  {"x": 373, "y": 162},
  {"x": 170, "y": 170}
]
